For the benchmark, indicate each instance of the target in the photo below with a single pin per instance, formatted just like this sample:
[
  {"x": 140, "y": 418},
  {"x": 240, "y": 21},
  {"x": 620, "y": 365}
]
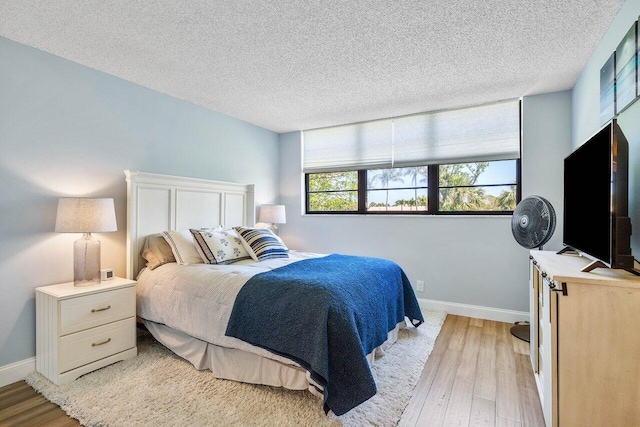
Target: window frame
[{"x": 433, "y": 195}]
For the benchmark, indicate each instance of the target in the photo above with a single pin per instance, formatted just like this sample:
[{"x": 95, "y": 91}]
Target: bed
[{"x": 299, "y": 320}]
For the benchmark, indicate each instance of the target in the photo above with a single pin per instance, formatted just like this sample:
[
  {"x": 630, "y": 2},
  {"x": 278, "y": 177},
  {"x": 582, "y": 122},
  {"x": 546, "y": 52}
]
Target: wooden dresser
[
  {"x": 81, "y": 329},
  {"x": 585, "y": 341}
]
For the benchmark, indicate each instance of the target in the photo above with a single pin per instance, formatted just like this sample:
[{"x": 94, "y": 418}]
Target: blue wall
[
  {"x": 586, "y": 110},
  {"x": 67, "y": 130}
]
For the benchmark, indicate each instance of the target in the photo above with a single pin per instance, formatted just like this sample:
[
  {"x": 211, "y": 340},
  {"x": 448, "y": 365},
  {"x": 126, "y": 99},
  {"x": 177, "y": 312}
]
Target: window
[
  {"x": 481, "y": 186},
  {"x": 476, "y": 187},
  {"x": 397, "y": 190},
  {"x": 451, "y": 162},
  {"x": 332, "y": 192}
]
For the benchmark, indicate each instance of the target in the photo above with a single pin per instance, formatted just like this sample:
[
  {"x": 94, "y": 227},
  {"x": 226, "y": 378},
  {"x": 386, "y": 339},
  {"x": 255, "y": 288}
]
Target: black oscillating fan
[{"x": 532, "y": 224}]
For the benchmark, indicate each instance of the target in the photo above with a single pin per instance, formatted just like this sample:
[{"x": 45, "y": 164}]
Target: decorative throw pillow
[
  {"x": 157, "y": 251},
  {"x": 262, "y": 244},
  {"x": 182, "y": 246},
  {"x": 219, "y": 247}
]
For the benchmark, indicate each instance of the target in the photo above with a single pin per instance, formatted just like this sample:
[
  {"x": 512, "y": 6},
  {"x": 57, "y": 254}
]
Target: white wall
[
  {"x": 586, "y": 110},
  {"x": 68, "y": 130},
  {"x": 464, "y": 260}
]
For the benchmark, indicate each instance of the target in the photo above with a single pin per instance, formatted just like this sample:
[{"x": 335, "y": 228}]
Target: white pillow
[
  {"x": 262, "y": 244},
  {"x": 219, "y": 247},
  {"x": 182, "y": 247}
]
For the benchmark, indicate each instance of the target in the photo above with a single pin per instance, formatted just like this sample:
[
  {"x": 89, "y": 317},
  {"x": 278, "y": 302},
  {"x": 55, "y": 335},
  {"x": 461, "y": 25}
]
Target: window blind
[
  {"x": 488, "y": 132},
  {"x": 364, "y": 145}
]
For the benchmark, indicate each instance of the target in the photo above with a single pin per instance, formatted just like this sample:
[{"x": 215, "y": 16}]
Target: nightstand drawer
[
  {"x": 88, "y": 346},
  {"x": 84, "y": 312}
]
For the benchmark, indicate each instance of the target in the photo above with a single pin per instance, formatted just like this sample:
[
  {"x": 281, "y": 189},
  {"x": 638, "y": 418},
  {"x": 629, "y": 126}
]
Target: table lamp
[
  {"x": 272, "y": 214},
  {"x": 85, "y": 215}
]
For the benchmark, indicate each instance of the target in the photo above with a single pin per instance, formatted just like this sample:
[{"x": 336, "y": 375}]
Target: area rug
[{"x": 157, "y": 388}]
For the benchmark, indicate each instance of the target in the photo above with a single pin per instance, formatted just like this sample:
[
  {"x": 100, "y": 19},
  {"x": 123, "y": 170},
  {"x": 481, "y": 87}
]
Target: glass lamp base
[{"x": 86, "y": 261}]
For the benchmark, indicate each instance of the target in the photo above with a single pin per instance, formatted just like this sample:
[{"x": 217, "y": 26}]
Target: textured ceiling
[{"x": 299, "y": 64}]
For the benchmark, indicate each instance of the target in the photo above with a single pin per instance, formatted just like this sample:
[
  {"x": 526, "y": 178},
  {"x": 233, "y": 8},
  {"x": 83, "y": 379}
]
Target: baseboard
[
  {"x": 477, "y": 311},
  {"x": 17, "y": 371}
]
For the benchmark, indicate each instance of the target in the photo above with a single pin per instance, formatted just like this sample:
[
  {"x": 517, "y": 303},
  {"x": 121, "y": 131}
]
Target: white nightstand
[{"x": 81, "y": 329}]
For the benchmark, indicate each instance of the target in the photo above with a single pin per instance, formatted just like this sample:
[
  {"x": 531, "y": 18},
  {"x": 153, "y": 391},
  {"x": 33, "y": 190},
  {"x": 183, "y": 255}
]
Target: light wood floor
[{"x": 478, "y": 374}]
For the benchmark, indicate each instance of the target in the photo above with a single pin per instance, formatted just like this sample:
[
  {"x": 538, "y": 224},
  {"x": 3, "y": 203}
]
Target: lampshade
[
  {"x": 84, "y": 215},
  {"x": 273, "y": 214}
]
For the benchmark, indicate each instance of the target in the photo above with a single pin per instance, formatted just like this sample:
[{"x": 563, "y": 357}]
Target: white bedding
[{"x": 198, "y": 299}]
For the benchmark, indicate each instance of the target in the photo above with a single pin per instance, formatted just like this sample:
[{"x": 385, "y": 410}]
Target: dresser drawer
[
  {"x": 88, "y": 311},
  {"x": 94, "y": 344}
]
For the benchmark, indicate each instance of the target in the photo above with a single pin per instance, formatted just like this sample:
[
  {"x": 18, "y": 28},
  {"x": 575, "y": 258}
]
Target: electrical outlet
[{"x": 420, "y": 285}]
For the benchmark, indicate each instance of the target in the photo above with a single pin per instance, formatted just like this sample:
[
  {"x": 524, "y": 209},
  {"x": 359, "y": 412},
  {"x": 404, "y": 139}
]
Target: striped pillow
[{"x": 262, "y": 244}]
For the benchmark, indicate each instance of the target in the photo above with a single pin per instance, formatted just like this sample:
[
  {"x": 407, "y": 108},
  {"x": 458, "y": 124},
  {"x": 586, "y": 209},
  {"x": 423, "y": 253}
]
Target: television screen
[
  {"x": 589, "y": 197},
  {"x": 596, "y": 200}
]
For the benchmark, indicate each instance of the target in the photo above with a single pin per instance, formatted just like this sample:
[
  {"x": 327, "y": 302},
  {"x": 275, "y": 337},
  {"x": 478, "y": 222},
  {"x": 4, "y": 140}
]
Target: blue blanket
[{"x": 327, "y": 314}]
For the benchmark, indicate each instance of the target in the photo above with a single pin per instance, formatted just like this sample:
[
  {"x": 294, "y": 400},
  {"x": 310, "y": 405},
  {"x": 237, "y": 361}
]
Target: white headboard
[{"x": 156, "y": 203}]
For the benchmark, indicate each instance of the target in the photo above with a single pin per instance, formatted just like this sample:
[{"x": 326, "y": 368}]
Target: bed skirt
[{"x": 240, "y": 365}]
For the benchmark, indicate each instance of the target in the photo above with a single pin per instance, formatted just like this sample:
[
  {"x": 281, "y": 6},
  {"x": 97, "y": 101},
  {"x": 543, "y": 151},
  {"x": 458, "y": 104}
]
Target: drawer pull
[
  {"x": 95, "y": 310},
  {"x": 95, "y": 344}
]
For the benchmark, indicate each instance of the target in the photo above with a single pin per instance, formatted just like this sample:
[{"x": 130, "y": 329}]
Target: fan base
[{"x": 521, "y": 332}]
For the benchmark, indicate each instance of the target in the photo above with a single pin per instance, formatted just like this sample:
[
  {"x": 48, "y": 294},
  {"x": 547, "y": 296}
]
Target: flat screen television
[{"x": 596, "y": 182}]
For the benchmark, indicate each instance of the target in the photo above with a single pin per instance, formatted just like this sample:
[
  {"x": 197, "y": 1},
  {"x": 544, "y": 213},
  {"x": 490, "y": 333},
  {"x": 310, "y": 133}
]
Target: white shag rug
[{"x": 157, "y": 388}]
